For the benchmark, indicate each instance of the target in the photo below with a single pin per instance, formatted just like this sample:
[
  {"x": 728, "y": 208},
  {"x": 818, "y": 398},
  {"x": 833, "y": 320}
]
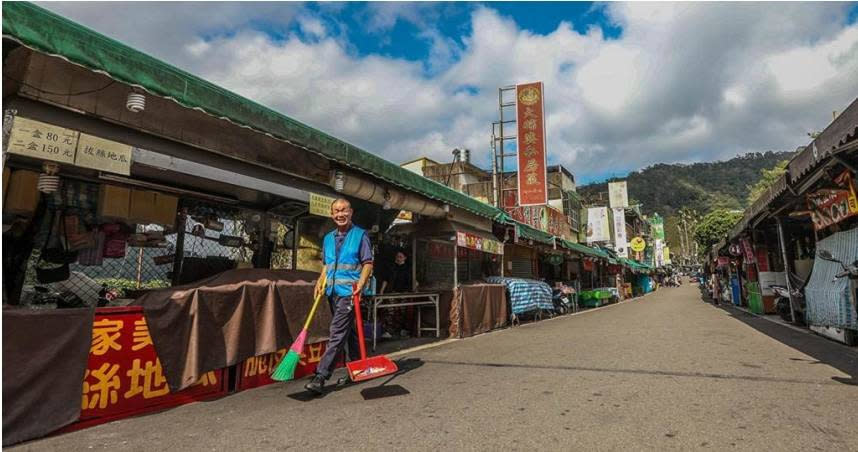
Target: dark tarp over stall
[
  {"x": 478, "y": 309},
  {"x": 230, "y": 317},
  {"x": 45, "y": 353}
]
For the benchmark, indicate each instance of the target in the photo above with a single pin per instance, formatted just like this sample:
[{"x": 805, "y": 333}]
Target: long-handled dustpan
[{"x": 372, "y": 367}]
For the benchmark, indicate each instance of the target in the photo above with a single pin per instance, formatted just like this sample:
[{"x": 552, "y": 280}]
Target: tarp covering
[
  {"x": 44, "y": 361},
  {"x": 827, "y": 297},
  {"x": 225, "y": 319},
  {"x": 525, "y": 295},
  {"x": 49, "y": 33},
  {"x": 477, "y": 309}
]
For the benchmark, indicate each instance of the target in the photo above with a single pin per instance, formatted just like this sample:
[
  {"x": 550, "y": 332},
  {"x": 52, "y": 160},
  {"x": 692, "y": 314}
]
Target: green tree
[
  {"x": 769, "y": 177},
  {"x": 714, "y": 226}
]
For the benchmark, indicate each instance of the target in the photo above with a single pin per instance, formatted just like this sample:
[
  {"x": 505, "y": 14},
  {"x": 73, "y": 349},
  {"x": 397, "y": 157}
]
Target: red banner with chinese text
[
  {"x": 831, "y": 206},
  {"x": 256, "y": 371},
  {"x": 532, "y": 162},
  {"x": 124, "y": 376}
]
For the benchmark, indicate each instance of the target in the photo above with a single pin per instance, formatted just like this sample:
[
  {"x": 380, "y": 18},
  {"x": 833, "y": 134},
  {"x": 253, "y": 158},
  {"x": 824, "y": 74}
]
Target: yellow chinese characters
[
  {"x": 104, "y": 391},
  {"x": 105, "y": 336},
  {"x": 208, "y": 379},
  {"x": 141, "y": 335},
  {"x": 147, "y": 380},
  {"x": 314, "y": 356}
]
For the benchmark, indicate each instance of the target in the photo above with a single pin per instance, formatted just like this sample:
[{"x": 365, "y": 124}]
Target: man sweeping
[{"x": 347, "y": 258}]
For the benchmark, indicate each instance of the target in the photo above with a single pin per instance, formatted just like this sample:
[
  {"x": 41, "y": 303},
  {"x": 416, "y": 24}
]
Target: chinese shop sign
[
  {"x": 42, "y": 141},
  {"x": 124, "y": 376},
  {"x": 465, "y": 240},
  {"x": 49, "y": 142},
  {"x": 103, "y": 155},
  {"x": 320, "y": 205},
  {"x": 532, "y": 176},
  {"x": 830, "y": 206}
]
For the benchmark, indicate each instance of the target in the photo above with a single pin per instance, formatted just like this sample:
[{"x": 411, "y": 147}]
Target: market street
[{"x": 665, "y": 371}]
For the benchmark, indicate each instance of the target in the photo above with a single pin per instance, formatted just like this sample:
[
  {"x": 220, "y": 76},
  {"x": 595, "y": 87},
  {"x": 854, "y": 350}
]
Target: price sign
[
  {"x": 103, "y": 155},
  {"x": 320, "y": 205},
  {"x": 42, "y": 141}
]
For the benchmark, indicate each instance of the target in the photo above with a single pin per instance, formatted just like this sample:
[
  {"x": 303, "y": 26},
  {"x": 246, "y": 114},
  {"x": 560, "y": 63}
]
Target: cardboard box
[
  {"x": 166, "y": 207},
  {"x": 22, "y": 196},
  {"x": 142, "y": 208},
  {"x": 114, "y": 202}
]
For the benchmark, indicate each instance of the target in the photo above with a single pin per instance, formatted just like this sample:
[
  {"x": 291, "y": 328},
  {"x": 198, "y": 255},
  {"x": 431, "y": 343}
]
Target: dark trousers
[{"x": 342, "y": 334}]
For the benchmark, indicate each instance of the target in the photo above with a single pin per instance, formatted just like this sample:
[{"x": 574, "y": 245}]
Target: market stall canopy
[
  {"x": 530, "y": 233},
  {"x": 45, "y": 32},
  {"x": 583, "y": 249},
  {"x": 841, "y": 135},
  {"x": 635, "y": 266},
  {"x": 463, "y": 235}
]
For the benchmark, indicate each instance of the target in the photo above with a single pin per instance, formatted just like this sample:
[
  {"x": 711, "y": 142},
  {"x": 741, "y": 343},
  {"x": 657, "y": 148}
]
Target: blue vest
[{"x": 344, "y": 267}]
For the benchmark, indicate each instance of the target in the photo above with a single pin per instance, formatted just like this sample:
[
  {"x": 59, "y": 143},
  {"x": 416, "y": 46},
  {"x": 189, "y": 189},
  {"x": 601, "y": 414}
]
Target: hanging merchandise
[
  {"x": 115, "y": 241},
  {"x": 77, "y": 236},
  {"x": 55, "y": 250},
  {"x": 93, "y": 256}
]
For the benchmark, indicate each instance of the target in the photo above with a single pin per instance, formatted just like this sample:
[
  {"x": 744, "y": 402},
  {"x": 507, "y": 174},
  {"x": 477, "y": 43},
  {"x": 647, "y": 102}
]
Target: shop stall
[{"x": 447, "y": 255}]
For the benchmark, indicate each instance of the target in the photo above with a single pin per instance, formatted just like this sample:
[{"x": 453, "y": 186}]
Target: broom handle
[
  {"x": 324, "y": 277},
  {"x": 359, "y": 324}
]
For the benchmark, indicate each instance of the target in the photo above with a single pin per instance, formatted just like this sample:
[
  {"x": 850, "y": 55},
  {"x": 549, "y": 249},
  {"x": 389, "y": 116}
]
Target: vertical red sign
[{"x": 532, "y": 175}]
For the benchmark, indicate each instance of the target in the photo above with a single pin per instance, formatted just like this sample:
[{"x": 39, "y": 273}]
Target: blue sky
[
  {"x": 627, "y": 84},
  {"x": 403, "y": 39}
]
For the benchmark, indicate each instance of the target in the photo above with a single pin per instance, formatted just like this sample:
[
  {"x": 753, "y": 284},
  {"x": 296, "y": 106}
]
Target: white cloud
[
  {"x": 684, "y": 82},
  {"x": 312, "y": 26}
]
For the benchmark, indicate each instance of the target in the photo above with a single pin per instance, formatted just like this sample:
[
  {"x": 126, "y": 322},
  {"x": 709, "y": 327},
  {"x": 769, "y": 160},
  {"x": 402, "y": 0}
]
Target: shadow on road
[
  {"x": 662, "y": 373},
  {"x": 385, "y": 389},
  {"x": 823, "y": 351}
]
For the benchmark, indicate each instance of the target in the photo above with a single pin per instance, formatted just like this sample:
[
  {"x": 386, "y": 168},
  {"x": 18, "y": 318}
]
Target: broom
[{"x": 285, "y": 371}]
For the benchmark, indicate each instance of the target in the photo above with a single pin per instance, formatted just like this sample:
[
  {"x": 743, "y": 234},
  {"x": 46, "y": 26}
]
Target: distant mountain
[{"x": 665, "y": 188}]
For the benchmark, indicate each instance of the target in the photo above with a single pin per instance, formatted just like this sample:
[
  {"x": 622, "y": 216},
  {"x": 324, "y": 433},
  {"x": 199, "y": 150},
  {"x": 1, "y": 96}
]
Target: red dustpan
[{"x": 372, "y": 367}]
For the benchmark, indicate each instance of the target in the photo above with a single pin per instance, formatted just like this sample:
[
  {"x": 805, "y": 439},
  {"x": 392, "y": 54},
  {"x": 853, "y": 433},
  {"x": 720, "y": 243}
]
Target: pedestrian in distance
[{"x": 348, "y": 262}]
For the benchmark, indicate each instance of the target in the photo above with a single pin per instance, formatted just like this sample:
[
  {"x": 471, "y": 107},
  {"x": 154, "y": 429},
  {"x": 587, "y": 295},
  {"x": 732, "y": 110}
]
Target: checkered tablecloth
[{"x": 525, "y": 295}]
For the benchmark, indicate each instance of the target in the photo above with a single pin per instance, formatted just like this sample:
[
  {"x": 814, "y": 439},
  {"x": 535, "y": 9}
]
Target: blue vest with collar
[{"x": 343, "y": 268}]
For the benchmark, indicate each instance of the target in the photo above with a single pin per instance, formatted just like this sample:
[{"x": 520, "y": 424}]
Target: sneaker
[{"x": 316, "y": 385}]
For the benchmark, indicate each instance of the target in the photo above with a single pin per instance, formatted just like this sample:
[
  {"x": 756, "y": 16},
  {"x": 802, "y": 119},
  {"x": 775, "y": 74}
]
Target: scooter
[{"x": 782, "y": 302}]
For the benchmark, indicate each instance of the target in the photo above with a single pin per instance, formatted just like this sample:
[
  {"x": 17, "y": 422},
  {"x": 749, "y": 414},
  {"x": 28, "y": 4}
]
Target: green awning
[
  {"x": 583, "y": 249},
  {"x": 51, "y": 34},
  {"x": 530, "y": 233},
  {"x": 635, "y": 265}
]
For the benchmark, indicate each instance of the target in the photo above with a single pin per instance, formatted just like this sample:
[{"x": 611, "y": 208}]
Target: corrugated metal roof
[{"x": 842, "y": 130}]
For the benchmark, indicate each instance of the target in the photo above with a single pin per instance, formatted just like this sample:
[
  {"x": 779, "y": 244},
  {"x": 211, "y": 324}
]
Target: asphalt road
[{"x": 663, "y": 372}]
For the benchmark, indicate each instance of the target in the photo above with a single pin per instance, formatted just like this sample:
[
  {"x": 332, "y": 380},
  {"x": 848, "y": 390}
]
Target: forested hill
[{"x": 665, "y": 188}]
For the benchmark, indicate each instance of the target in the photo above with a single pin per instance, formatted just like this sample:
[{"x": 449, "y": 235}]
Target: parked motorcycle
[
  {"x": 782, "y": 303},
  {"x": 564, "y": 300}
]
